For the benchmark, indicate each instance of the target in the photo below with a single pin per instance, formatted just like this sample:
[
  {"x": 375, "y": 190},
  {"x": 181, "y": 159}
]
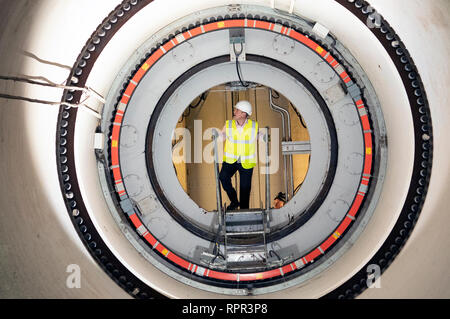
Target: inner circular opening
[
  {"x": 162, "y": 138},
  {"x": 194, "y": 152}
]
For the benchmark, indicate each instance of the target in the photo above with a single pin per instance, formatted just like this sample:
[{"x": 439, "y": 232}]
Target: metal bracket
[
  {"x": 99, "y": 141},
  {"x": 234, "y": 9},
  {"x": 320, "y": 30},
  {"x": 295, "y": 147},
  {"x": 237, "y": 44},
  {"x": 282, "y": 6}
]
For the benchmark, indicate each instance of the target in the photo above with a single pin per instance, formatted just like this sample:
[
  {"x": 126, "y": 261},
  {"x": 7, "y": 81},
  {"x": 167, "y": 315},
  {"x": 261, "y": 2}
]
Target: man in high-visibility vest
[{"x": 240, "y": 136}]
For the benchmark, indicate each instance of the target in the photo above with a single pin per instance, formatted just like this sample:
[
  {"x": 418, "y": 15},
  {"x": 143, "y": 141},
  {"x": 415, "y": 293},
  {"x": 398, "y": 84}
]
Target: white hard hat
[{"x": 244, "y": 106}]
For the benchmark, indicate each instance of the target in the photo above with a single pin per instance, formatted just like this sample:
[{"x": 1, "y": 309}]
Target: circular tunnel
[{"x": 368, "y": 113}]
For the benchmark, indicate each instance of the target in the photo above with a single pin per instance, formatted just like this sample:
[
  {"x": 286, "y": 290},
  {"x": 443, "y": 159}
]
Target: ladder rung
[
  {"x": 235, "y": 230},
  {"x": 243, "y": 212},
  {"x": 244, "y": 219},
  {"x": 243, "y": 252},
  {"x": 245, "y": 248},
  {"x": 255, "y": 266},
  {"x": 260, "y": 232},
  {"x": 246, "y": 257}
]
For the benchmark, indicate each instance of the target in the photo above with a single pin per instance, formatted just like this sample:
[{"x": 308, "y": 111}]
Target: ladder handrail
[
  {"x": 267, "y": 137},
  {"x": 215, "y": 136},
  {"x": 266, "y": 211},
  {"x": 286, "y": 137},
  {"x": 225, "y": 248}
]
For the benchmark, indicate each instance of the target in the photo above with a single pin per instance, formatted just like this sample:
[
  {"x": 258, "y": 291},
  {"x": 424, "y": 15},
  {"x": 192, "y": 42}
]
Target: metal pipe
[
  {"x": 291, "y": 175},
  {"x": 281, "y": 111},
  {"x": 284, "y": 113},
  {"x": 283, "y": 129}
]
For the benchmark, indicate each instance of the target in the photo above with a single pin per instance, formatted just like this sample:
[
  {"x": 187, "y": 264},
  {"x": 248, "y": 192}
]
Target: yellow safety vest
[{"x": 241, "y": 146}]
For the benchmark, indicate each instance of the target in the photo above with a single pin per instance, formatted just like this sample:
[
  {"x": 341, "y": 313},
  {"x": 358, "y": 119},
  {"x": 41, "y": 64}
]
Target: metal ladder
[
  {"x": 244, "y": 231},
  {"x": 243, "y": 226}
]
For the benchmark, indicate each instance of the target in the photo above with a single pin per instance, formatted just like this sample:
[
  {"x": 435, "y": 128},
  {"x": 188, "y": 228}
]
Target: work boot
[{"x": 233, "y": 206}]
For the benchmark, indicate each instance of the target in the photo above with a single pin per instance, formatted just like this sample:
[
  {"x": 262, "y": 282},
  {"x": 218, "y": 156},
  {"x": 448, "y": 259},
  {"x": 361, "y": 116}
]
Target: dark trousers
[{"x": 245, "y": 175}]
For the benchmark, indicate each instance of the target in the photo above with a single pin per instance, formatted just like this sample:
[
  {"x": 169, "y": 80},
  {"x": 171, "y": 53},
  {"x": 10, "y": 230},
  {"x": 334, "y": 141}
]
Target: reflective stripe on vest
[
  {"x": 241, "y": 157},
  {"x": 230, "y": 134}
]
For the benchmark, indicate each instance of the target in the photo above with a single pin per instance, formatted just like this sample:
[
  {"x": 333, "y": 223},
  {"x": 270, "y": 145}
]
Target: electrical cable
[
  {"x": 238, "y": 69},
  {"x": 200, "y": 103},
  {"x": 300, "y": 117},
  {"x": 49, "y": 83},
  {"x": 66, "y": 104},
  {"x": 275, "y": 253}
]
